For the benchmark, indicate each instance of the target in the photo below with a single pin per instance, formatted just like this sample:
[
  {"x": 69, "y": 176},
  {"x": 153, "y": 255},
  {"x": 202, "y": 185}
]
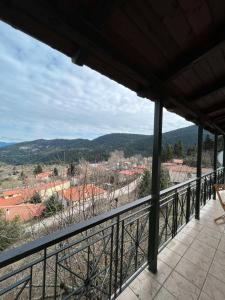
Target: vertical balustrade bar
[
  {"x": 44, "y": 274},
  {"x": 117, "y": 255},
  {"x": 215, "y": 164},
  {"x": 199, "y": 172},
  {"x": 153, "y": 239},
  {"x": 223, "y": 158}
]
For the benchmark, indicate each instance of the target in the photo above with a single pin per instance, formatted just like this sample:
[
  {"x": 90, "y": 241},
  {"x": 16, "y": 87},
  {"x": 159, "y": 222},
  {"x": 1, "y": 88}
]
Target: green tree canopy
[
  {"x": 55, "y": 172},
  {"x": 38, "y": 169},
  {"x": 145, "y": 188},
  {"x": 52, "y": 206},
  {"x": 36, "y": 198},
  {"x": 10, "y": 231}
]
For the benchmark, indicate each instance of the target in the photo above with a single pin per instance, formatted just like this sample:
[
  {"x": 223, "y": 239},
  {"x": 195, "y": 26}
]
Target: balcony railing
[{"x": 98, "y": 258}]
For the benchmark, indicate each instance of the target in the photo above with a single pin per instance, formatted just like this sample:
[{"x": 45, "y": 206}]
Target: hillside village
[
  {"x": 92, "y": 181},
  {"x": 36, "y": 199}
]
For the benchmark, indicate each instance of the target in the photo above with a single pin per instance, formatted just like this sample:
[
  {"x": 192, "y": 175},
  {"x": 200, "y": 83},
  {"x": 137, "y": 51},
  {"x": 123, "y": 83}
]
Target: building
[
  {"x": 180, "y": 173},
  {"x": 80, "y": 193},
  {"x": 25, "y": 212}
]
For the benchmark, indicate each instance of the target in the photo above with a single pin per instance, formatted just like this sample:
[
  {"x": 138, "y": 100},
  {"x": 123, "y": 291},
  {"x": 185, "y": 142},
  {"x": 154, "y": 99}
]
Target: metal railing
[{"x": 98, "y": 258}]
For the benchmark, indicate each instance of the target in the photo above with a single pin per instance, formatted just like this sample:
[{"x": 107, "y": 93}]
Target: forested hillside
[{"x": 50, "y": 151}]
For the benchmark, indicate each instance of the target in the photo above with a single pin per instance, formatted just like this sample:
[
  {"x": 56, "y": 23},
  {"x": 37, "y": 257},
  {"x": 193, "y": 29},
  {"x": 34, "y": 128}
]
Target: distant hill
[
  {"x": 50, "y": 151},
  {"x": 4, "y": 144}
]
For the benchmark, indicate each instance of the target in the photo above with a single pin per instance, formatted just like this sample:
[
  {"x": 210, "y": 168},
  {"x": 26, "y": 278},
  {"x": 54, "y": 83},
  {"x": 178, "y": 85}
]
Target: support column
[
  {"x": 154, "y": 212},
  {"x": 215, "y": 163},
  {"x": 223, "y": 158},
  {"x": 199, "y": 173}
]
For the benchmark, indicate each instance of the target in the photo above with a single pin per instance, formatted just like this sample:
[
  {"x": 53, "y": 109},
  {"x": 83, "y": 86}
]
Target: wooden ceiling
[{"x": 172, "y": 50}]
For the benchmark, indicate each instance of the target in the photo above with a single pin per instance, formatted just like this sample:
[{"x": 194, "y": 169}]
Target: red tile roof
[
  {"x": 82, "y": 192},
  {"x": 24, "y": 211},
  {"x": 18, "y": 196},
  {"x": 43, "y": 175}
]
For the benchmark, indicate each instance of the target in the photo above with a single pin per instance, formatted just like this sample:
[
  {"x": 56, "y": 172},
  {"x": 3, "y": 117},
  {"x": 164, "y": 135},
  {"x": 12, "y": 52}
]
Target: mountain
[
  {"x": 4, "y": 144},
  {"x": 49, "y": 151}
]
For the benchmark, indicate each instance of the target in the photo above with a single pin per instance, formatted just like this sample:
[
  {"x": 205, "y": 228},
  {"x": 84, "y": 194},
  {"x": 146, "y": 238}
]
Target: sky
[{"x": 44, "y": 95}]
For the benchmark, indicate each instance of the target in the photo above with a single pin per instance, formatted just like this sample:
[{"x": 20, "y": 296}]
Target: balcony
[
  {"x": 191, "y": 266},
  {"x": 107, "y": 256}
]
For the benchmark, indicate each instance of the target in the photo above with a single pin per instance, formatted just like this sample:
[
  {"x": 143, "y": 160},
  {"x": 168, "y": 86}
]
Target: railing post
[
  {"x": 215, "y": 163},
  {"x": 153, "y": 239},
  {"x": 223, "y": 158},
  {"x": 188, "y": 207},
  {"x": 199, "y": 173}
]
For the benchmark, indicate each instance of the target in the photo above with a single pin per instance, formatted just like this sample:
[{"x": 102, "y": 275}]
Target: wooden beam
[
  {"x": 207, "y": 90},
  {"x": 197, "y": 52},
  {"x": 214, "y": 108}
]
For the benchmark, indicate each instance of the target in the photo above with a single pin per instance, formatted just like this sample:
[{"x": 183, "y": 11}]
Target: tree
[
  {"x": 145, "y": 188},
  {"x": 38, "y": 169},
  {"x": 10, "y": 231},
  {"x": 72, "y": 170},
  {"x": 52, "y": 206},
  {"x": 179, "y": 149},
  {"x": 145, "y": 185},
  {"x": 208, "y": 143},
  {"x": 55, "y": 172},
  {"x": 22, "y": 176},
  {"x": 36, "y": 198},
  {"x": 169, "y": 152}
]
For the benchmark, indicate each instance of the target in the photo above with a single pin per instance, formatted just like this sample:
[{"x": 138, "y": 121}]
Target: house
[
  {"x": 25, "y": 212},
  {"x": 83, "y": 192},
  {"x": 179, "y": 173},
  {"x": 43, "y": 175}
]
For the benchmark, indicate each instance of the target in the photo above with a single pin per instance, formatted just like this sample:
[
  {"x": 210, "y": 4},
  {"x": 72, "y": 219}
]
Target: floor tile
[
  {"x": 191, "y": 272},
  {"x": 181, "y": 287},
  {"x": 222, "y": 245},
  {"x": 185, "y": 238},
  {"x": 127, "y": 294},
  {"x": 213, "y": 233},
  {"x": 169, "y": 257},
  {"x": 163, "y": 272},
  {"x": 144, "y": 286},
  {"x": 202, "y": 261},
  {"x": 218, "y": 270},
  {"x": 203, "y": 249},
  {"x": 214, "y": 288},
  {"x": 164, "y": 294},
  {"x": 220, "y": 257},
  {"x": 207, "y": 239},
  {"x": 177, "y": 247},
  {"x": 204, "y": 296}
]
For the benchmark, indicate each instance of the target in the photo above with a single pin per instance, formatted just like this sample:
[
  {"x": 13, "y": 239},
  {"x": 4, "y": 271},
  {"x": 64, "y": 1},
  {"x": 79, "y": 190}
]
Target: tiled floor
[{"x": 192, "y": 266}]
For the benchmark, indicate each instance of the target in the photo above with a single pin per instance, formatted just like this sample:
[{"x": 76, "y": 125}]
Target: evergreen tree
[
  {"x": 52, "y": 206},
  {"x": 38, "y": 169},
  {"x": 179, "y": 149},
  {"x": 72, "y": 170},
  {"x": 145, "y": 185},
  {"x": 208, "y": 143},
  {"x": 36, "y": 198},
  {"x": 10, "y": 231},
  {"x": 55, "y": 172},
  {"x": 169, "y": 152}
]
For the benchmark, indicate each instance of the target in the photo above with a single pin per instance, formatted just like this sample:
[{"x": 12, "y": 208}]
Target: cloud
[{"x": 44, "y": 95}]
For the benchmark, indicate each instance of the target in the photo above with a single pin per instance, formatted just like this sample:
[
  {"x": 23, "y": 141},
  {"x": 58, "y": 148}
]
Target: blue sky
[{"x": 44, "y": 95}]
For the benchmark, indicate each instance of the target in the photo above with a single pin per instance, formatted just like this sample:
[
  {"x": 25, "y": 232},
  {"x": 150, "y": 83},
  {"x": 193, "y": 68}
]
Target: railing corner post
[
  {"x": 188, "y": 207},
  {"x": 153, "y": 239},
  {"x": 199, "y": 173}
]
